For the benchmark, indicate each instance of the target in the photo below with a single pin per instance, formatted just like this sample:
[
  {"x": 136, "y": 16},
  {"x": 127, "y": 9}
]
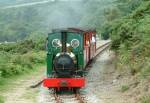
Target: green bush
[
  {"x": 19, "y": 57},
  {"x": 145, "y": 72},
  {"x": 145, "y": 99},
  {"x": 23, "y": 46},
  {"x": 1, "y": 99},
  {"x": 124, "y": 88},
  {"x": 13, "y": 64},
  {"x": 131, "y": 39}
]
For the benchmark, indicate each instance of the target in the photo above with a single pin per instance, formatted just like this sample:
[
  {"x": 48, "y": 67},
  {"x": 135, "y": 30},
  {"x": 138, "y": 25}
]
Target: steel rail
[
  {"x": 101, "y": 48},
  {"x": 77, "y": 95},
  {"x": 57, "y": 98},
  {"x": 103, "y": 45}
]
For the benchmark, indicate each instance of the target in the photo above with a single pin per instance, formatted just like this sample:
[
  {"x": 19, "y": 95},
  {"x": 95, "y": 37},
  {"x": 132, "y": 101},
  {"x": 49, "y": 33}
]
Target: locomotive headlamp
[
  {"x": 75, "y": 43},
  {"x": 56, "y": 43}
]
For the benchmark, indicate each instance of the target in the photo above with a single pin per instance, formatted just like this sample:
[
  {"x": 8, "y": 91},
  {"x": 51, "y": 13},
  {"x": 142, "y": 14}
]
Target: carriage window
[
  {"x": 93, "y": 39},
  {"x": 87, "y": 40}
]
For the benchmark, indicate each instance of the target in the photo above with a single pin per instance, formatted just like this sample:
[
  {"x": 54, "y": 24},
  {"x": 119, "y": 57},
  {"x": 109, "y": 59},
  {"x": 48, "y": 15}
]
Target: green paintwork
[
  {"x": 49, "y": 64},
  {"x": 52, "y": 51},
  {"x": 79, "y": 50}
]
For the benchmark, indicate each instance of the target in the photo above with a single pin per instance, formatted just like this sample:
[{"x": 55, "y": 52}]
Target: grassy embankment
[
  {"x": 18, "y": 60},
  {"x": 130, "y": 36},
  {"x": 131, "y": 40}
]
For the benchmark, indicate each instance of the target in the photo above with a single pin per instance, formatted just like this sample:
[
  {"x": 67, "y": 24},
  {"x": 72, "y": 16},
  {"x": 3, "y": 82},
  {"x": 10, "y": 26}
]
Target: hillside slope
[
  {"x": 130, "y": 34},
  {"x": 24, "y": 22},
  {"x": 131, "y": 39}
]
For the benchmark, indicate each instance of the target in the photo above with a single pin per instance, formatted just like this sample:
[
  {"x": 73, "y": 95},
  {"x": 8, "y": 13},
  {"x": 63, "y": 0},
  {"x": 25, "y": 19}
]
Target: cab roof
[{"x": 77, "y": 30}]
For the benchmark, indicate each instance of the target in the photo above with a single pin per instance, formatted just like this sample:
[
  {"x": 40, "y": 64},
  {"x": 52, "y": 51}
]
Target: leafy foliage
[
  {"x": 23, "y": 46},
  {"x": 124, "y": 88},
  {"x": 19, "y": 57},
  {"x": 1, "y": 100},
  {"x": 130, "y": 36},
  {"x": 17, "y": 24},
  {"x": 145, "y": 99}
]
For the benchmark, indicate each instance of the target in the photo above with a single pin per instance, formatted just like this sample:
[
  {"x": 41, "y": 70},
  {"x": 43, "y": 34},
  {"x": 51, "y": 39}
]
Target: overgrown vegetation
[
  {"x": 1, "y": 100},
  {"x": 19, "y": 24},
  {"x": 130, "y": 36},
  {"x": 146, "y": 99},
  {"x": 20, "y": 57},
  {"x": 124, "y": 88}
]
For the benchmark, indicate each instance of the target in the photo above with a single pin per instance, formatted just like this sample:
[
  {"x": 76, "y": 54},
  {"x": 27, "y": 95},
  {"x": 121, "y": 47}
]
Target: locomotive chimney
[{"x": 64, "y": 39}]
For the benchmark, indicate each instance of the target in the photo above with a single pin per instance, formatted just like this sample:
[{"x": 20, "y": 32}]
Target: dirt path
[
  {"x": 21, "y": 91},
  {"x": 101, "y": 80},
  {"x": 106, "y": 84}
]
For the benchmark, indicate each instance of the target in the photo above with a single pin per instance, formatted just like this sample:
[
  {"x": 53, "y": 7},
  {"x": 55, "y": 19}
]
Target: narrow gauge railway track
[
  {"x": 77, "y": 98},
  {"x": 53, "y": 97},
  {"x": 73, "y": 98},
  {"x": 102, "y": 48}
]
